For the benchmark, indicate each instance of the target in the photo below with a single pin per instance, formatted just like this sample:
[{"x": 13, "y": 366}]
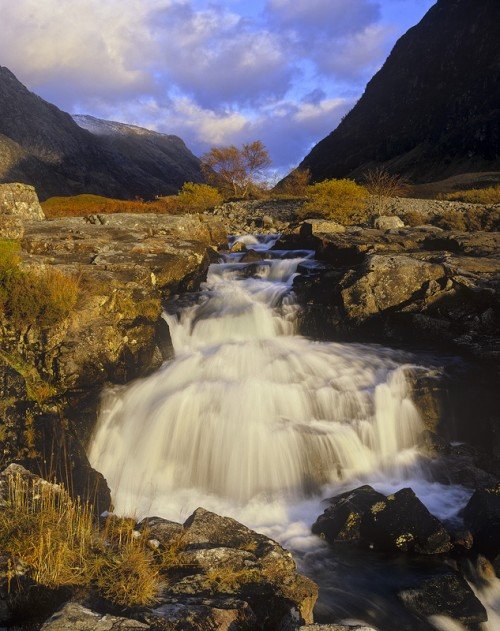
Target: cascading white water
[{"x": 248, "y": 409}]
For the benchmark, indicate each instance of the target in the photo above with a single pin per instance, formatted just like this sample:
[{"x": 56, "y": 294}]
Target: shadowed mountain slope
[
  {"x": 43, "y": 146},
  {"x": 433, "y": 110}
]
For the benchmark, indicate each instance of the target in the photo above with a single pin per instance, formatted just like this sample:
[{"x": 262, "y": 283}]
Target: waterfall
[{"x": 248, "y": 408}]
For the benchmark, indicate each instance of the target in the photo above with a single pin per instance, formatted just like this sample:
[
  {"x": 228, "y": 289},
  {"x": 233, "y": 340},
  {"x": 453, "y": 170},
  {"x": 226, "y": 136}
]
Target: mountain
[
  {"x": 44, "y": 146},
  {"x": 433, "y": 110}
]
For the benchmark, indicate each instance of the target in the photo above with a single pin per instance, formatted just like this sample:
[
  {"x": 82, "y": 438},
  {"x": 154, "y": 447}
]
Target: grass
[
  {"x": 192, "y": 198},
  {"x": 58, "y": 539},
  {"x": 489, "y": 195},
  {"x": 39, "y": 298}
]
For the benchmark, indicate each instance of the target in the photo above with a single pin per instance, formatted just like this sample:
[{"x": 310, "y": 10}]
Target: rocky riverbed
[{"x": 420, "y": 288}]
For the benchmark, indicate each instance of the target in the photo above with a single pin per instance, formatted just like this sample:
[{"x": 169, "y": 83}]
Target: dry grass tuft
[
  {"x": 38, "y": 298},
  {"x": 58, "y": 539}
]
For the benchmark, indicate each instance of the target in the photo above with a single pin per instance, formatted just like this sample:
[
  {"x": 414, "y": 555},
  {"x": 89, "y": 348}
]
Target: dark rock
[
  {"x": 396, "y": 523},
  {"x": 482, "y": 517},
  {"x": 22, "y": 600},
  {"x": 444, "y": 595},
  {"x": 75, "y": 616},
  {"x": 345, "y": 517},
  {"x": 403, "y": 523}
]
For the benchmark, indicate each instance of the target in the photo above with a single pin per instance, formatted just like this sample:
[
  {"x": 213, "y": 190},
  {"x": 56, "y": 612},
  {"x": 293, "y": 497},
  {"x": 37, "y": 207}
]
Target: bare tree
[
  {"x": 296, "y": 183},
  {"x": 234, "y": 169},
  {"x": 381, "y": 183}
]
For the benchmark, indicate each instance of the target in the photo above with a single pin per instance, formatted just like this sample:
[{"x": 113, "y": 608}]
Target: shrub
[
  {"x": 57, "y": 537},
  {"x": 451, "y": 220},
  {"x": 341, "y": 200},
  {"x": 381, "y": 183},
  {"x": 27, "y": 297},
  {"x": 295, "y": 184},
  {"x": 490, "y": 195},
  {"x": 193, "y": 198},
  {"x": 415, "y": 218}
]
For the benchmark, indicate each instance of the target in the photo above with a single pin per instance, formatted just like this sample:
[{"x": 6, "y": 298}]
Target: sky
[{"x": 213, "y": 72}]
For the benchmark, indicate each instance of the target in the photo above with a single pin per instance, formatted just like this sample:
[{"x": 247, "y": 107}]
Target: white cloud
[{"x": 211, "y": 75}]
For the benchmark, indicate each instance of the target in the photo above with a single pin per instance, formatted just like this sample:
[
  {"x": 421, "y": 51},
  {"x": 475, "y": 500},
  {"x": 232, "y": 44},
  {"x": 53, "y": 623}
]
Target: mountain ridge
[
  {"x": 44, "y": 146},
  {"x": 432, "y": 110}
]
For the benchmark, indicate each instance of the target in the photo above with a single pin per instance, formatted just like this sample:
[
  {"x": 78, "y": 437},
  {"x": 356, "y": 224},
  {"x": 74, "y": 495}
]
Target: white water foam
[{"x": 253, "y": 421}]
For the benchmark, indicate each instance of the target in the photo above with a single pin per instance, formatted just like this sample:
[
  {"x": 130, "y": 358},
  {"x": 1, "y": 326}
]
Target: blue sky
[{"x": 213, "y": 72}]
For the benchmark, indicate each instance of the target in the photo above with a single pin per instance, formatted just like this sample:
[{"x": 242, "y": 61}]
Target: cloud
[{"x": 214, "y": 72}]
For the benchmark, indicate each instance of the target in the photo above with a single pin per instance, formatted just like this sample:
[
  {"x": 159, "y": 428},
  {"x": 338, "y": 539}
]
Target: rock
[
  {"x": 201, "y": 614},
  {"x": 248, "y": 566},
  {"x": 267, "y": 221},
  {"x": 320, "y": 226},
  {"x": 163, "y": 530},
  {"x": 444, "y": 595},
  {"x": 403, "y": 523},
  {"x": 251, "y": 256},
  {"x": 396, "y": 523},
  {"x": 344, "y": 519},
  {"x": 388, "y": 223},
  {"x": 78, "y": 618},
  {"x": 21, "y": 599},
  {"x": 238, "y": 246},
  {"x": 387, "y": 282},
  {"x": 334, "y": 627},
  {"x": 20, "y": 200},
  {"x": 482, "y": 517}
]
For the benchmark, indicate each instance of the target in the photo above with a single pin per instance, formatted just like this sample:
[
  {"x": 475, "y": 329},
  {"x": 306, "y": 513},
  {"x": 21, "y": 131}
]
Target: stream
[{"x": 254, "y": 421}]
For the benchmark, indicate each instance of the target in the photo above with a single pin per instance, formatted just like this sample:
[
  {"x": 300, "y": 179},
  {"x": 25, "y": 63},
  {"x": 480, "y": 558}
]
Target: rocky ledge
[
  {"x": 51, "y": 377},
  {"x": 215, "y": 574},
  {"x": 420, "y": 285}
]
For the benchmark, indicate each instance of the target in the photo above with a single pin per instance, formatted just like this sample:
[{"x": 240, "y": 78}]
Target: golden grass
[
  {"x": 192, "y": 198},
  {"x": 489, "y": 195},
  {"x": 33, "y": 297},
  {"x": 58, "y": 539}
]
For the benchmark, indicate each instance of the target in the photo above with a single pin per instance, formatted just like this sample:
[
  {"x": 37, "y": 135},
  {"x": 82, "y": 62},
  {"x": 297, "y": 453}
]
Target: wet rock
[
  {"x": 396, "y": 523},
  {"x": 444, "y": 595},
  {"x": 251, "y": 256},
  {"x": 78, "y": 618},
  {"x": 345, "y": 518},
  {"x": 482, "y": 517},
  {"x": 388, "y": 223}
]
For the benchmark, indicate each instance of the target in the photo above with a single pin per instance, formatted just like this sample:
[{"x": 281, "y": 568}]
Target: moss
[{"x": 37, "y": 389}]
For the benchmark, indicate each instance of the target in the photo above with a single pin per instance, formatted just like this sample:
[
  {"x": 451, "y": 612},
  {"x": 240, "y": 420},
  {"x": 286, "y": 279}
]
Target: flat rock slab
[{"x": 75, "y": 617}]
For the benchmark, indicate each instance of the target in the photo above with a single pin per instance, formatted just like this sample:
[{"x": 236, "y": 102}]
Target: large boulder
[
  {"x": 225, "y": 557},
  {"x": 388, "y": 282},
  {"x": 396, "y": 523},
  {"x": 20, "y": 200},
  {"x": 482, "y": 517},
  {"x": 386, "y": 222},
  {"x": 78, "y": 618},
  {"x": 446, "y": 594}
]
